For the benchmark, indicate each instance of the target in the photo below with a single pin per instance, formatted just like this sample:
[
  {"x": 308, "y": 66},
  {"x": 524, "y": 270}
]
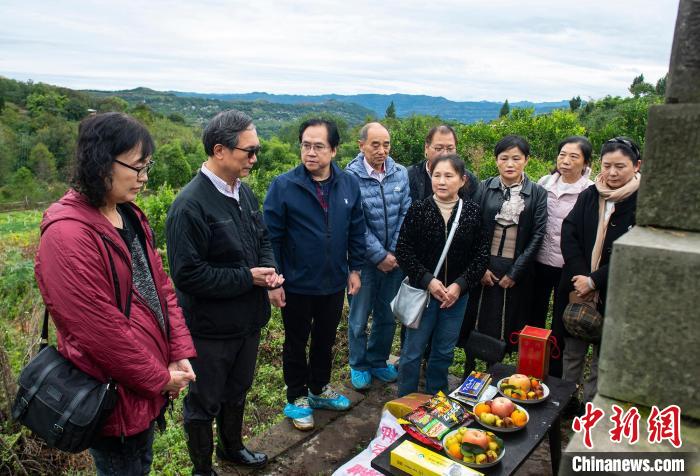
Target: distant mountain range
[{"x": 406, "y": 104}]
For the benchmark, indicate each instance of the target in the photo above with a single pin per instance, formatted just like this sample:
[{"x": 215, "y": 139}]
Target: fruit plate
[
  {"x": 545, "y": 389},
  {"x": 471, "y": 465},
  {"x": 503, "y": 429}
]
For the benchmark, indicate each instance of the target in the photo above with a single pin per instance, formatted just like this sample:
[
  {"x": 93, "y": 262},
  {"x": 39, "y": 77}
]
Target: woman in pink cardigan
[{"x": 563, "y": 186}]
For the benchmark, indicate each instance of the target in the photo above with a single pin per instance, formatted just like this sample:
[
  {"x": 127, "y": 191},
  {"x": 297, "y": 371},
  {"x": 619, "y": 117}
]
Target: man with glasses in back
[
  {"x": 441, "y": 140},
  {"x": 222, "y": 264},
  {"x": 317, "y": 229},
  {"x": 385, "y": 201}
]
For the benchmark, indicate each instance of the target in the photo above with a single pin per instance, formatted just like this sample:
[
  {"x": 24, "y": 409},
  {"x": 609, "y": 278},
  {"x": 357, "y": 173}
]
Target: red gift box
[{"x": 534, "y": 348}]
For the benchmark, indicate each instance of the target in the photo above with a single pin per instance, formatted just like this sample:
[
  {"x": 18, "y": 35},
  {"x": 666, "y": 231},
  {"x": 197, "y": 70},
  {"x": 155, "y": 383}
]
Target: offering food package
[
  {"x": 419, "y": 461},
  {"x": 437, "y": 416},
  {"x": 401, "y": 407},
  {"x": 534, "y": 348}
]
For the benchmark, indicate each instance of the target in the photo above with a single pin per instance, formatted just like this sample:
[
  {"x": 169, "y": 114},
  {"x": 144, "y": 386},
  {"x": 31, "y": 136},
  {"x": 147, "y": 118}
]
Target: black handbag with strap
[
  {"x": 483, "y": 346},
  {"x": 60, "y": 403}
]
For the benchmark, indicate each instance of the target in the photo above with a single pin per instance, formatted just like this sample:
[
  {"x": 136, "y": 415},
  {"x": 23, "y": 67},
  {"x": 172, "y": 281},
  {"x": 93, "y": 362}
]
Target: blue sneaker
[
  {"x": 386, "y": 374},
  {"x": 360, "y": 379},
  {"x": 300, "y": 413},
  {"x": 329, "y": 399}
]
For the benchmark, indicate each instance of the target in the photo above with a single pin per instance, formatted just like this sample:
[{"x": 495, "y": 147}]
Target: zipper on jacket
[
  {"x": 386, "y": 218},
  {"x": 126, "y": 309}
]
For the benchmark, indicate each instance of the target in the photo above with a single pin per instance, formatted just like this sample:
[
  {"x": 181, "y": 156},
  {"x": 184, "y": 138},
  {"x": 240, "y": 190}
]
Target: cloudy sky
[{"x": 537, "y": 50}]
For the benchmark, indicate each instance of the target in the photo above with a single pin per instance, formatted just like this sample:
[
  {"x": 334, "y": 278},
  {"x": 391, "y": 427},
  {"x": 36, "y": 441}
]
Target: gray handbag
[{"x": 409, "y": 303}]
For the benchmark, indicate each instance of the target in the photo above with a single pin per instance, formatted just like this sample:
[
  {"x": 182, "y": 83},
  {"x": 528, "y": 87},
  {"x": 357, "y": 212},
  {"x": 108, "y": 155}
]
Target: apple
[
  {"x": 477, "y": 438},
  {"x": 520, "y": 380},
  {"x": 502, "y": 407}
]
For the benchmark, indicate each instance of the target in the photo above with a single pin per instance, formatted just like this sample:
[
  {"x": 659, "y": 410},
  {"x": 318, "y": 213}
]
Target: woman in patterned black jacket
[{"x": 421, "y": 241}]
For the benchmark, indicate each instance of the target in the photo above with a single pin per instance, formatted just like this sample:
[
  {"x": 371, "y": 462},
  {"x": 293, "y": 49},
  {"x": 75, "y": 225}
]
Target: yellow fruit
[
  {"x": 455, "y": 450},
  {"x": 488, "y": 418},
  {"x": 481, "y": 408},
  {"x": 480, "y": 459},
  {"x": 519, "y": 418},
  {"x": 462, "y": 430},
  {"x": 493, "y": 446}
]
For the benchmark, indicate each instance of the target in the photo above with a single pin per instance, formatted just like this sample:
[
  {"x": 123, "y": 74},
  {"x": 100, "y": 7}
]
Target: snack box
[
  {"x": 400, "y": 407},
  {"x": 418, "y": 461}
]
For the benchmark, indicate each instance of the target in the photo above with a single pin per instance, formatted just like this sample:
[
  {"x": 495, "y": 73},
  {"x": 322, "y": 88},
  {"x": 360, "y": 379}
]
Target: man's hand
[
  {"x": 277, "y": 297},
  {"x": 506, "y": 282},
  {"x": 275, "y": 280},
  {"x": 388, "y": 264},
  {"x": 261, "y": 276},
  {"x": 354, "y": 283},
  {"x": 438, "y": 290},
  {"x": 453, "y": 292},
  {"x": 489, "y": 279},
  {"x": 581, "y": 285}
]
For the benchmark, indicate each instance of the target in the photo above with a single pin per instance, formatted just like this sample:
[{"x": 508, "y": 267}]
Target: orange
[
  {"x": 519, "y": 418},
  {"x": 481, "y": 408},
  {"x": 455, "y": 450}
]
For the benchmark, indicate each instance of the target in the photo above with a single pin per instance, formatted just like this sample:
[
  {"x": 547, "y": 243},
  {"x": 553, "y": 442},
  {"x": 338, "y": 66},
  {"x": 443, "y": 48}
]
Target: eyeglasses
[
  {"x": 439, "y": 148},
  {"x": 251, "y": 150},
  {"x": 307, "y": 146},
  {"x": 140, "y": 171}
]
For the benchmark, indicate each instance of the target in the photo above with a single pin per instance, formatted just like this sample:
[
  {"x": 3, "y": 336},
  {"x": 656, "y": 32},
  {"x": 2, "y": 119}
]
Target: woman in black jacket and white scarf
[
  {"x": 603, "y": 212},
  {"x": 514, "y": 216},
  {"x": 421, "y": 240}
]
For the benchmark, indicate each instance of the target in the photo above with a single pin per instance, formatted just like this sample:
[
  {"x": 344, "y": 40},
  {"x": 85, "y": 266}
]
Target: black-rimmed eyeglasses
[
  {"x": 251, "y": 150},
  {"x": 140, "y": 171}
]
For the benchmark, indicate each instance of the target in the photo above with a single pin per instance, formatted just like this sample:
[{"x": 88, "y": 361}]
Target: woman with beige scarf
[{"x": 603, "y": 212}]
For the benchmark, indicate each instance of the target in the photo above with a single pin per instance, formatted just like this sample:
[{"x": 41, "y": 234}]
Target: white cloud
[{"x": 468, "y": 50}]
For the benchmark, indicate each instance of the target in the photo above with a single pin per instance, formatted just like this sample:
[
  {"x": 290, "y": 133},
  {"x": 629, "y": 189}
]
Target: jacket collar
[
  {"x": 357, "y": 166},
  {"x": 495, "y": 183},
  {"x": 299, "y": 176}
]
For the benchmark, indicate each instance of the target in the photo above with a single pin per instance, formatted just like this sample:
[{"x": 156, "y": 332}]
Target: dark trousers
[
  {"x": 547, "y": 280},
  {"x": 225, "y": 369},
  {"x": 304, "y": 316},
  {"x": 131, "y": 457}
]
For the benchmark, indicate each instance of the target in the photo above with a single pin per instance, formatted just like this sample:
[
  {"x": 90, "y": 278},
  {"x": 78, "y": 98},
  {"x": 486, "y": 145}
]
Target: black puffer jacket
[
  {"x": 422, "y": 239},
  {"x": 578, "y": 233},
  {"x": 531, "y": 227}
]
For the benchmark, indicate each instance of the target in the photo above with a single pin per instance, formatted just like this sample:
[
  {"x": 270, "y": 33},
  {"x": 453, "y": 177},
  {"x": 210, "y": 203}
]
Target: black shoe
[
  {"x": 200, "y": 444},
  {"x": 230, "y": 446},
  {"x": 242, "y": 457}
]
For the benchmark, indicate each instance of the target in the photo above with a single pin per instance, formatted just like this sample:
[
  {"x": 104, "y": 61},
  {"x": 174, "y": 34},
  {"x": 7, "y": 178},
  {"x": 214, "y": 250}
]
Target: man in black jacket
[
  {"x": 222, "y": 264},
  {"x": 441, "y": 140}
]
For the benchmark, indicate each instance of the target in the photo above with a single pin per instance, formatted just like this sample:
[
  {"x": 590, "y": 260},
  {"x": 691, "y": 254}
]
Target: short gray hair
[
  {"x": 365, "y": 129},
  {"x": 224, "y": 129}
]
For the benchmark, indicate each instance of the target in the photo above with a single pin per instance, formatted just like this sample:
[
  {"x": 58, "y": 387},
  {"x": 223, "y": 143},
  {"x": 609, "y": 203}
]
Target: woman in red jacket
[{"x": 103, "y": 283}]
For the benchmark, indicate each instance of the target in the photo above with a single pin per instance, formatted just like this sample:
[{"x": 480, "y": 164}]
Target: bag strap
[
  {"x": 45, "y": 331},
  {"x": 449, "y": 238},
  {"x": 57, "y": 429},
  {"x": 503, "y": 312}
]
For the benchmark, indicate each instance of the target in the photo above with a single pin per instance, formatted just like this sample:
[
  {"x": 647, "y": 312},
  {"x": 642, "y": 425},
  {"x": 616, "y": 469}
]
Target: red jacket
[{"x": 75, "y": 279}]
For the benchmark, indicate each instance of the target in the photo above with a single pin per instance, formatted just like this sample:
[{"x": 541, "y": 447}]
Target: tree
[
  {"x": 49, "y": 101},
  {"x": 171, "y": 166},
  {"x": 42, "y": 162},
  {"x": 112, "y": 104},
  {"x": 390, "y": 111},
  {"x": 661, "y": 86},
  {"x": 639, "y": 87},
  {"x": 575, "y": 103},
  {"x": 505, "y": 109}
]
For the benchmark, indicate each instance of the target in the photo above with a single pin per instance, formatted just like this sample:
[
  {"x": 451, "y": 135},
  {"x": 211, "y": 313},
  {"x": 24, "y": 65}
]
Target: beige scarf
[{"x": 612, "y": 195}]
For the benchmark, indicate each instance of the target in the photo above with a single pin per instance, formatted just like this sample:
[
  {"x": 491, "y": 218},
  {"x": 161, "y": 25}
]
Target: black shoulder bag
[
  {"x": 60, "y": 403},
  {"x": 483, "y": 346}
]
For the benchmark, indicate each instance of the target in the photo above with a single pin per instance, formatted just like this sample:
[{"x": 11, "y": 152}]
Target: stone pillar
[{"x": 651, "y": 337}]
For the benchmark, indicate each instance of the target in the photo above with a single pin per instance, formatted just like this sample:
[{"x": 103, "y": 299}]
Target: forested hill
[
  {"x": 405, "y": 104},
  {"x": 269, "y": 116}
]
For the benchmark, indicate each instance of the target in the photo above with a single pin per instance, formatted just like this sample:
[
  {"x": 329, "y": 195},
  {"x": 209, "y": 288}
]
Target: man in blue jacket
[
  {"x": 317, "y": 230},
  {"x": 385, "y": 201}
]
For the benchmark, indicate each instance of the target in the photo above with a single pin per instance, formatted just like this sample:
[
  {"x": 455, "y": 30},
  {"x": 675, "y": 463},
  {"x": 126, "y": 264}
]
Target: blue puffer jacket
[
  {"x": 385, "y": 205},
  {"x": 315, "y": 253}
]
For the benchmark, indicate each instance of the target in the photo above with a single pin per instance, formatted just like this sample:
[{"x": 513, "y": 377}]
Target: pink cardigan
[{"x": 558, "y": 207}]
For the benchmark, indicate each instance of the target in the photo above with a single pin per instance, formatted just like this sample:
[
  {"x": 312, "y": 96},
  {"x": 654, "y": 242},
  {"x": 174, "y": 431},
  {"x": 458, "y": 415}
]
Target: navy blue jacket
[{"x": 314, "y": 253}]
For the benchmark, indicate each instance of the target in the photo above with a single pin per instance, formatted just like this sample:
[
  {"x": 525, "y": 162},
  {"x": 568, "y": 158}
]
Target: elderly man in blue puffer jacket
[{"x": 385, "y": 201}]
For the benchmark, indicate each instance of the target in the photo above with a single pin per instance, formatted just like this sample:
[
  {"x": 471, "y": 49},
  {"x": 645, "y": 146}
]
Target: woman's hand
[
  {"x": 438, "y": 290},
  {"x": 506, "y": 282},
  {"x": 489, "y": 279},
  {"x": 181, "y": 374},
  {"x": 453, "y": 292},
  {"x": 581, "y": 285}
]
